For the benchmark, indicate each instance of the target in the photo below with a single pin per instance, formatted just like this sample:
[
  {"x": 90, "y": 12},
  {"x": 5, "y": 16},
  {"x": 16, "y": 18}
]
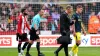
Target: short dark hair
[
  {"x": 69, "y": 6},
  {"x": 79, "y": 6},
  {"x": 22, "y": 10}
]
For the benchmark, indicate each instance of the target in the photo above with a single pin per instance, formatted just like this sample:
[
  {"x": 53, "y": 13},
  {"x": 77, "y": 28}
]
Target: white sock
[
  {"x": 75, "y": 55},
  {"x": 71, "y": 53}
]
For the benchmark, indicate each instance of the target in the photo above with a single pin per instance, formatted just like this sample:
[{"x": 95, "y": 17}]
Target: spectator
[
  {"x": 98, "y": 16},
  {"x": 0, "y": 9},
  {"x": 46, "y": 9},
  {"x": 93, "y": 21},
  {"x": 44, "y": 22},
  {"x": 98, "y": 31},
  {"x": 12, "y": 27},
  {"x": 55, "y": 17},
  {"x": 14, "y": 20},
  {"x": 1, "y": 29},
  {"x": 4, "y": 24},
  {"x": 95, "y": 7},
  {"x": 92, "y": 14},
  {"x": 4, "y": 12},
  {"x": 30, "y": 13},
  {"x": 57, "y": 8},
  {"x": 53, "y": 27},
  {"x": 61, "y": 10}
]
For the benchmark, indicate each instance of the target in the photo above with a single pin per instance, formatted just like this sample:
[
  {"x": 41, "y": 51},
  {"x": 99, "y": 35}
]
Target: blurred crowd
[{"x": 9, "y": 15}]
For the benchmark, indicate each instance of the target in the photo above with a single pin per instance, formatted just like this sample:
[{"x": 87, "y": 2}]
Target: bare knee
[
  {"x": 31, "y": 41},
  {"x": 78, "y": 42},
  {"x": 38, "y": 40}
]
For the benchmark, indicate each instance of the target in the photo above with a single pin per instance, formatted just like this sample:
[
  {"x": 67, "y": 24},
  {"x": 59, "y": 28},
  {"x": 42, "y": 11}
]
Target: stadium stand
[{"x": 10, "y": 11}]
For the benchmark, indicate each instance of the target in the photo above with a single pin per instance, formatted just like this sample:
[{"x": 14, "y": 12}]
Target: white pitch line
[{"x": 32, "y": 51}]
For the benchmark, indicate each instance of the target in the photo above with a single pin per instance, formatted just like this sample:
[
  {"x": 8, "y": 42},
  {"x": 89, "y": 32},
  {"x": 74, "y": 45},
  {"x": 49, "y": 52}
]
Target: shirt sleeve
[
  {"x": 27, "y": 25},
  {"x": 73, "y": 17},
  {"x": 71, "y": 22},
  {"x": 34, "y": 22}
]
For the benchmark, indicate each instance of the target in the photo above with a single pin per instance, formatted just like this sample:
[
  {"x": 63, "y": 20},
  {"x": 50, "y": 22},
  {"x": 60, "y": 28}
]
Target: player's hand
[
  {"x": 30, "y": 32},
  {"x": 19, "y": 39},
  {"x": 16, "y": 38},
  {"x": 84, "y": 33},
  {"x": 37, "y": 32},
  {"x": 74, "y": 34}
]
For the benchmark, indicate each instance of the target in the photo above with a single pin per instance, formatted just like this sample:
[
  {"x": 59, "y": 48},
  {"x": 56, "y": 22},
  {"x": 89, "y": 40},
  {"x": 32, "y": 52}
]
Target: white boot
[
  {"x": 22, "y": 52},
  {"x": 70, "y": 53},
  {"x": 19, "y": 54}
]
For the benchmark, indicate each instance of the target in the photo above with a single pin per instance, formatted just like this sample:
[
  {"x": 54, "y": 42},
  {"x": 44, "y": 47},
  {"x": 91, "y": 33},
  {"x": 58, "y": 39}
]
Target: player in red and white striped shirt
[{"x": 22, "y": 29}]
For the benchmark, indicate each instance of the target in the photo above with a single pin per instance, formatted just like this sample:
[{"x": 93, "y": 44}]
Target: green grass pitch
[{"x": 83, "y": 51}]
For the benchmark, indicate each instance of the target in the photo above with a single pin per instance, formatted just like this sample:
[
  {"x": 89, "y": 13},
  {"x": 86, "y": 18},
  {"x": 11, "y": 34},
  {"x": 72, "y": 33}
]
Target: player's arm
[
  {"x": 73, "y": 26},
  {"x": 27, "y": 25},
  {"x": 36, "y": 28},
  {"x": 18, "y": 27},
  {"x": 71, "y": 22},
  {"x": 35, "y": 24},
  {"x": 34, "y": 21},
  {"x": 83, "y": 29}
]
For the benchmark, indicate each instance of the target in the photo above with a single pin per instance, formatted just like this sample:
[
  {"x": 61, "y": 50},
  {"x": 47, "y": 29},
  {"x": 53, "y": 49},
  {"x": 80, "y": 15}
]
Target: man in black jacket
[{"x": 65, "y": 23}]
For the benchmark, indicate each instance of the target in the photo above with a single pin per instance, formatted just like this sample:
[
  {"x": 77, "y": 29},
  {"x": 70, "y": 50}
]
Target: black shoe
[
  {"x": 41, "y": 54},
  {"x": 27, "y": 54},
  {"x": 56, "y": 54}
]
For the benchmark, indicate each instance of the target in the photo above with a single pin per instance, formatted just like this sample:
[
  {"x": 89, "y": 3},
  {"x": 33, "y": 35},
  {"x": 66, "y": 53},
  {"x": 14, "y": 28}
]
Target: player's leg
[
  {"x": 78, "y": 42},
  {"x": 19, "y": 43},
  {"x": 19, "y": 49},
  {"x": 66, "y": 49},
  {"x": 24, "y": 46},
  {"x": 32, "y": 35},
  {"x": 26, "y": 42},
  {"x": 57, "y": 51},
  {"x": 75, "y": 47},
  {"x": 28, "y": 47},
  {"x": 38, "y": 46},
  {"x": 76, "y": 51}
]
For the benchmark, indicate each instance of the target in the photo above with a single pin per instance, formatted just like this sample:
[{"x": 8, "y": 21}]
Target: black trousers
[{"x": 65, "y": 46}]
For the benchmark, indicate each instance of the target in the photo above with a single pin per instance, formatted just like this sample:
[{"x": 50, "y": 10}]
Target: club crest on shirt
[{"x": 79, "y": 20}]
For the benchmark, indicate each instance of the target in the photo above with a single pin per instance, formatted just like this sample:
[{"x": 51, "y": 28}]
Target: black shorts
[
  {"x": 33, "y": 35},
  {"x": 22, "y": 37}
]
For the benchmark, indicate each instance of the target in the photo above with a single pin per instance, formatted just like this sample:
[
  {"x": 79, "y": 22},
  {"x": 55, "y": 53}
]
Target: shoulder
[
  {"x": 20, "y": 17},
  {"x": 34, "y": 17},
  {"x": 75, "y": 14},
  {"x": 63, "y": 14},
  {"x": 37, "y": 16}
]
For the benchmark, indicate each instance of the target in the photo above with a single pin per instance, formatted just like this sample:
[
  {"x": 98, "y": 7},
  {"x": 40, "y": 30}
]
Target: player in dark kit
[
  {"x": 21, "y": 35},
  {"x": 34, "y": 33},
  {"x": 77, "y": 30}
]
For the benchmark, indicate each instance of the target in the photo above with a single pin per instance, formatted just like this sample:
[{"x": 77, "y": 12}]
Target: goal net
[{"x": 9, "y": 10}]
